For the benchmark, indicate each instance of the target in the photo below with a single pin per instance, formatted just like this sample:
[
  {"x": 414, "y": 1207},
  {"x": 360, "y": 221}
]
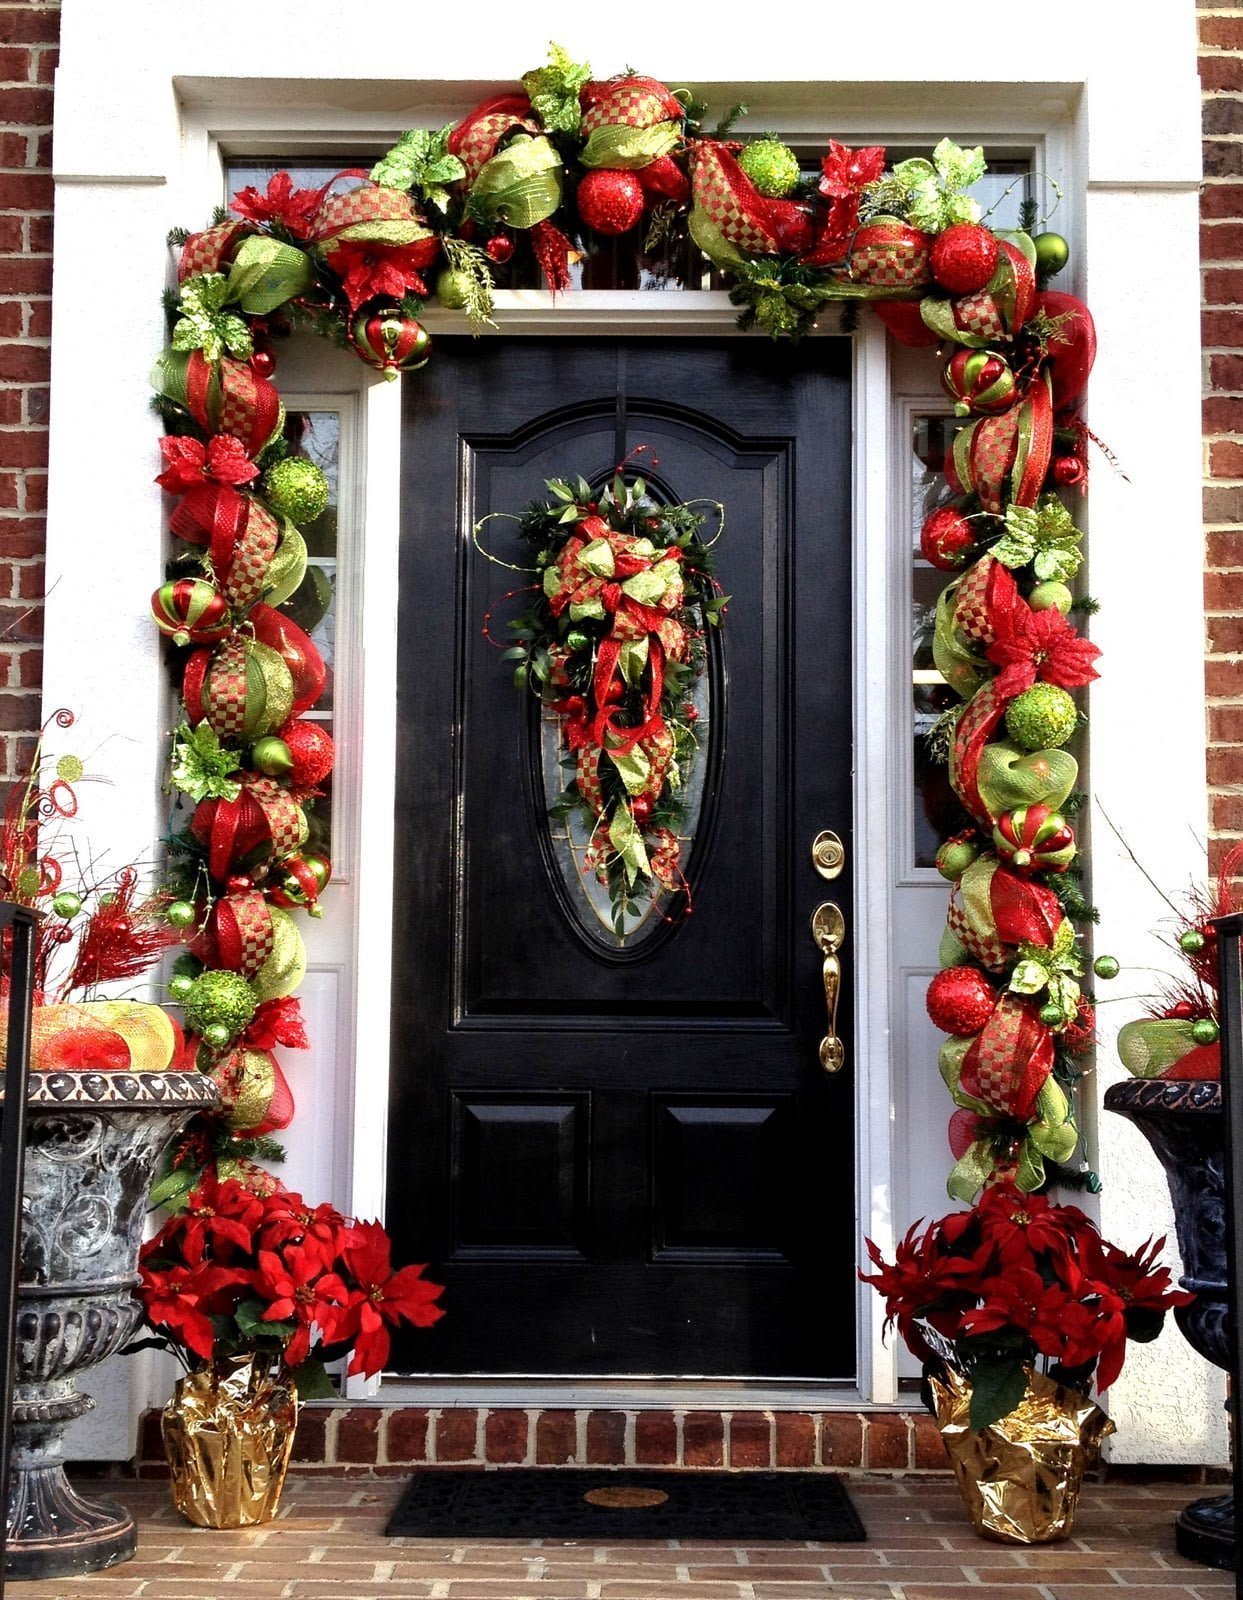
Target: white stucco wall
[{"x": 145, "y": 88}]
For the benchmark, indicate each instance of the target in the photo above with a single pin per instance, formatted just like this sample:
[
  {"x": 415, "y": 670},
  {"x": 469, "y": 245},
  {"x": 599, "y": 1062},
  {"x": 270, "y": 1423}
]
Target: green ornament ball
[
  {"x": 179, "y": 986},
  {"x": 772, "y": 167},
  {"x": 272, "y": 757},
  {"x": 1205, "y": 1031},
  {"x": 1106, "y": 966},
  {"x": 1049, "y": 596},
  {"x": 66, "y": 904},
  {"x": 955, "y": 856},
  {"x": 453, "y": 289},
  {"x": 1052, "y": 254},
  {"x": 217, "y": 1035},
  {"x": 181, "y": 914},
  {"x": 219, "y": 999},
  {"x": 1042, "y": 717},
  {"x": 576, "y": 639},
  {"x": 296, "y": 488},
  {"x": 1191, "y": 941},
  {"x": 1051, "y": 1015}
]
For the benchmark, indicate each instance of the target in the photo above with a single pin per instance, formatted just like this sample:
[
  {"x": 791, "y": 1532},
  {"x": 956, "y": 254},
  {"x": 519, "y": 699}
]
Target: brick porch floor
[{"x": 329, "y": 1541}]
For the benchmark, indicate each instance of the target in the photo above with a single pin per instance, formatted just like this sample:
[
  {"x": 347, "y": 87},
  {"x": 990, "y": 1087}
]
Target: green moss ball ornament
[
  {"x": 1106, "y": 966},
  {"x": 772, "y": 167},
  {"x": 454, "y": 289},
  {"x": 219, "y": 1000},
  {"x": 1042, "y": 717},
  {"x": 296, "y": 488},
  {"x": 1191, "y": 941},
  {"x": 1051, "y": 595}
]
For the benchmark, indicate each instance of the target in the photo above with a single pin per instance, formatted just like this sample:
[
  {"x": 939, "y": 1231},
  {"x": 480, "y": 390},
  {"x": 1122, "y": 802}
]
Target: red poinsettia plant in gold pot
[
  {"x": 254, "y": 1292},
  {"x": 1020, "y": 1284}
]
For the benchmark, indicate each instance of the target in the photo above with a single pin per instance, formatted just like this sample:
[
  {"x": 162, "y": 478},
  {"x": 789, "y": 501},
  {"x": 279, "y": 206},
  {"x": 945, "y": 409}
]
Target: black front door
[{"x": 624, "y": 1159}]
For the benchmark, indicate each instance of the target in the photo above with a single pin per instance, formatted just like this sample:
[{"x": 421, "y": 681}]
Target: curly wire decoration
[{"x": 64, "y": 718}]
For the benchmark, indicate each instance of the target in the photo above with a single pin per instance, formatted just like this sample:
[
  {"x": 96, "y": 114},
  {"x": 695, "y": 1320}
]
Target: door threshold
[{"x": 629, "y": 1393}]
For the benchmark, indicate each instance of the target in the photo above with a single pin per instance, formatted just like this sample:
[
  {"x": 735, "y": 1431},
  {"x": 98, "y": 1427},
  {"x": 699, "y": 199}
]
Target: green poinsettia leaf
[
  {"x": 627, "y": 840},
  {"x": 249, "y": 1318},
  {"x": 908, "y": 174},
  {"x": 1056, "y": 566},
  {"x": 1014, "y": 549},
  {"x": 958, "y": 168},
  {"x": 204, "y": 326},
  {"x": 997, "y": 1386},
  {"x": 1028, "y": 977},
  {"x": 312, "y": 1381},
  {"x": 553, "y": 90},
  {"x": 201, "y": 765}
]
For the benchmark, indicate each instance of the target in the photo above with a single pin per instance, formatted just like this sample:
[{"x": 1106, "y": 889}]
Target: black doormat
[{"x": 563, "y": 1503}]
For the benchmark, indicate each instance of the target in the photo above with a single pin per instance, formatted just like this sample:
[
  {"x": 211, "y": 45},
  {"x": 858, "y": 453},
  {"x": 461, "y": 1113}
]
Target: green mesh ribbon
[
  {"x": 1150, "y": 1045},
  {"x": 1010, "y": 777},
  {"x": 288, "y": 566},
  {"x": 519, "y": 187},
  {"x": 618, "y": 147},
  {"x": 266, "y": 273},
  {"x": 952, "y": 952}
]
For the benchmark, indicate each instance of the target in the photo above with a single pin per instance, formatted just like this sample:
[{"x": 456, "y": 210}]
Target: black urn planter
[
  {"x": 1183, "y": 1123},
  {"x": 93, "y": 1143}
]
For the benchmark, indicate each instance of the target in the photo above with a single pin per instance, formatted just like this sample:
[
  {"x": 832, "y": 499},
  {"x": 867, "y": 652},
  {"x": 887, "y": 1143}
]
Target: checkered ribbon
[
  {"x": 242, "y": 925},
  {"x": 890, "y": 255},
  {"x": 371, "y": 209},
  {"x": 224, "y": 689},
  {"x": 246, "y": 570},
  {"x": 991, "y": 454},
  {"x": 476, "y": 137},
  {"x": 241, "y": 534},
  {"x": 629, "y": 102},
  {"x": 975, "y": 727},
  {"x": 587, "y": 777},
  {"x": 1009, "y": 1059},
  {"x": 728, "y": 200},
  {"x": 210, "y": 250},
  {"x": 986, "y": 593},
  {"x": 980, "y": 316},
  {"x": 281, "y": 812}
]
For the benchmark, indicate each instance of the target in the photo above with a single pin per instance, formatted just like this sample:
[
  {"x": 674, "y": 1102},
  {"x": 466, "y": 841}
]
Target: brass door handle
[{"x": 828, "y": 932}]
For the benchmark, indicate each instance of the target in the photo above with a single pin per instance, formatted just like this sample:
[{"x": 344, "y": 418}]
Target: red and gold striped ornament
[
  {"x": 191, "y": 611},
  {"x": 1034, "y": 839},
  {"x": 390, "y": 341},
  {"x": 979, "y": 382}
]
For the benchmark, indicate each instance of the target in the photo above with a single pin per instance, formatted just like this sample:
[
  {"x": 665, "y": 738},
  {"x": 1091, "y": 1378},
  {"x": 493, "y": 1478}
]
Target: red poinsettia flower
[
  {"x": 219, "y": 1217},
  {"x": 277, "y": 1022},
  {"x": 283, "y": 205},
  {"x": 1135, "y": 1277},
  {"x": 189, "y": 462},
  {"x": 292, "y": 1218},
  {"x": 384, "y": 1296},
  {"x": 846, "y": 171},
  {"x": 1025, "y": 1226},
  {"x": 1039, "y": 644},
  {"x": 179, "y": 1299},
  {"x": 299, "y": 1290},
  {"x": 369, "y": 270}
]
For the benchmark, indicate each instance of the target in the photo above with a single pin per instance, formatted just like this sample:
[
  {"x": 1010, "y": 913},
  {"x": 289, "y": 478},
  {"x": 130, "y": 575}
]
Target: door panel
[{"x": 624, "y": 1160}]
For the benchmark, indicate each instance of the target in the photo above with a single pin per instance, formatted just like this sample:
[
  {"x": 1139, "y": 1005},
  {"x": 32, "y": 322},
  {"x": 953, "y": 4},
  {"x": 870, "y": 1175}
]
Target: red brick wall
[
  {"x": 29, "y": 32},
  {"x": 1221, "y": 253}
]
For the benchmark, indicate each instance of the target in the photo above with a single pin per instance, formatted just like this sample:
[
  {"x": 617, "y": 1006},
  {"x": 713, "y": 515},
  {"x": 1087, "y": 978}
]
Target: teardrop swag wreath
[{"x": 536, "y": 172}]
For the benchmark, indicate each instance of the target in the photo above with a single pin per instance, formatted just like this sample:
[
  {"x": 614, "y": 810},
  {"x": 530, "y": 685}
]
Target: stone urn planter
[
  {"x": 1182, "y": 1121},
  {"x": 93, "y": 1143}
]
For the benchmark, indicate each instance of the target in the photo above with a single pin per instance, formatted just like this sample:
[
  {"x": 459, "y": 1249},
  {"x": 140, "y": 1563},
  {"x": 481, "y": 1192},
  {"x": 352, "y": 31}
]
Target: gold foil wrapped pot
[
  {"x": 1020, "y": 1478},
  {"x": 228, "y": 1431}
]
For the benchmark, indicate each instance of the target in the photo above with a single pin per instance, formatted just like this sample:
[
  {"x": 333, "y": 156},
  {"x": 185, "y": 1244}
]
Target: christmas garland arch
[{"x": 537, "y": 173}]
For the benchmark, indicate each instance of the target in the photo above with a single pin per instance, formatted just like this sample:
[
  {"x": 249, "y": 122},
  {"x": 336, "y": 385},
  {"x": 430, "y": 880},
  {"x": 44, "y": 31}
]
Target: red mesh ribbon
[
  {"x": 1024, "y": 912},
  {"x": 1009, "y": 1059},
  {"x": 241, "y": 534},
  {"x": 745, "y": 218},
  {"x": 986, "y": 593},
  {"x": 227, "y": 396},
  {"x": 974, "y": 729}
]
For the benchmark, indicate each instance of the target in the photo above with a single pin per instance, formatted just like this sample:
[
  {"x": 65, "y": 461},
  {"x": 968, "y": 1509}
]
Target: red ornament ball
[
  {"x": 263, "y": 363},
  {"x": 610, "y": 202},
  {"x": 1068, "y": 472},
  {"x": 312, "y": 752},
  {"x": 946, "y": 540},
  {"x": 964, "y": 257},
  {"x": 499, "y": 248},
  {"x": 960, "y": 1001}
]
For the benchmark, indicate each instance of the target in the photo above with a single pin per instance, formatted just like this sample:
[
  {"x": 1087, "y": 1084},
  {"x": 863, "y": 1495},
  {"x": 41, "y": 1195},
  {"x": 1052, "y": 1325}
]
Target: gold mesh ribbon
[
  {"x": 1020, "y": 1478},
  {"x": 228, "y": 1432}
]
